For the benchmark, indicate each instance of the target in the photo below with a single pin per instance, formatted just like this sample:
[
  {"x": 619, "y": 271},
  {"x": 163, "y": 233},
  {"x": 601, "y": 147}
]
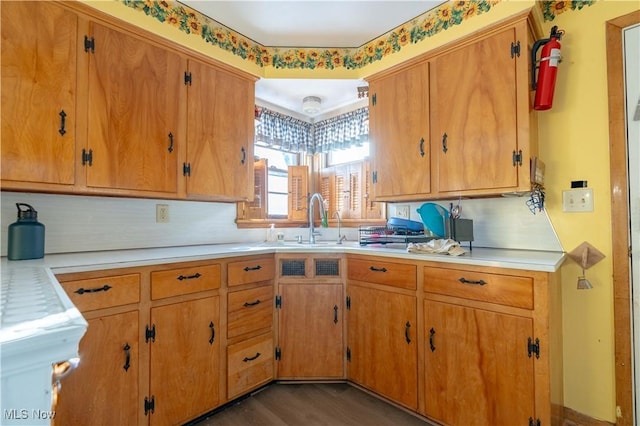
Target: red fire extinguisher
[{"x": 547, "y": 70}]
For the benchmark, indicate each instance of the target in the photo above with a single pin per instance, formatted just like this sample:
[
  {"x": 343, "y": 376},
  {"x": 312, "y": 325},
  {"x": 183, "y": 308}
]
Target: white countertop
[{"x": 81, "y": 262}]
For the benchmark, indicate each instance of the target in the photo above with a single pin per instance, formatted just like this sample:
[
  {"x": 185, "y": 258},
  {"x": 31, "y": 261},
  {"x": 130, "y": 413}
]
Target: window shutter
[
  {"x": 298, "y": 192},
  {"x": 257, "y": 209}
]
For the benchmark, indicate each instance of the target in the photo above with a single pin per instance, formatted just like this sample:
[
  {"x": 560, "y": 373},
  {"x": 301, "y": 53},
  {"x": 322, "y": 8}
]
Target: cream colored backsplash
[{"x": 80, "y": 223}]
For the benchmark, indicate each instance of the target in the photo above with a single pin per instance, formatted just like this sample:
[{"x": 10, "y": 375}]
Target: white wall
[{"x": 80, "y": 223}]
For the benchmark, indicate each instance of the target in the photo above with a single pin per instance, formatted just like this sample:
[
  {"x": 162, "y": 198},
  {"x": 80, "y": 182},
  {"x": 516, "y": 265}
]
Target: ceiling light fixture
[{"x": 311, "y": 104}]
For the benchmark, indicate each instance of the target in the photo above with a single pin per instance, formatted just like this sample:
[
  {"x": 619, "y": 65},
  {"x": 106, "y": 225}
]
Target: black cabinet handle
[
  {"x": 432, "y": 333},
  {"x": 213, "y": 333},
  {"x": 444, "y": 143},
  {"x": 63, "y": 116},
  {"x": 189, "y": 277},
  {"x": 335, "y": 314},
  {"x": 255, "y": 268},
  {"x": 247, "y": 304},
  {"x": 251, "y": 358},
  {"x": 105, "y": 287},
  {"x": 243, "y": 158},
  {"x": 421, "y": 147},
  {"x": 471, "y": 282},
  {"x": 374, "y": 269},
  {"x": 127, "y": 356},
  {"x": 170, "y": 149},
  {"x": 407, "y": 335}
]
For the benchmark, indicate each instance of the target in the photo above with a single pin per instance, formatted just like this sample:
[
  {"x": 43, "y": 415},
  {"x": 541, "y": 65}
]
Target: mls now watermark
[{"x": 24, "y": 414}]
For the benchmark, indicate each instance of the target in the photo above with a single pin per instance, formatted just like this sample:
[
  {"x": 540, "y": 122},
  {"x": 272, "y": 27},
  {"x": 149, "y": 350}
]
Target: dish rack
[{"x": 390, "y": 235}]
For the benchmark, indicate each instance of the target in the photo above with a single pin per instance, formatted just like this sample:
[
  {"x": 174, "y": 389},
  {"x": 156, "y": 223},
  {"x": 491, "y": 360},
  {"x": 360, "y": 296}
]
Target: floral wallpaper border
[{"x": 417, "y": 30}]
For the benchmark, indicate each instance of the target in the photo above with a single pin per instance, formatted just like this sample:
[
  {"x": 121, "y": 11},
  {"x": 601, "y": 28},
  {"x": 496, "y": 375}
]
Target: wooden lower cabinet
[
  {"x": 310, "y": 333},
  {"x": 477, "y": 369},
  {"x": 185, "y": 360},
  {"x": 103, "y": 389},
  {"x": 382, "y": 343},
  {"x": 250, "y": 365}
]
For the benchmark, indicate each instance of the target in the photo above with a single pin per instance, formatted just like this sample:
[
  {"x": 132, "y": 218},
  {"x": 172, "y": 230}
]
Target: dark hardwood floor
[{"x": 330, "y": 404}]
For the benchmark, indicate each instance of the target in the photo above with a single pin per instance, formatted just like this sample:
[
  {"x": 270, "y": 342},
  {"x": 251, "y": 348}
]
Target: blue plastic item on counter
[
  {"x": 409, "y": 225},
  {"x": 433, "y": 216}
]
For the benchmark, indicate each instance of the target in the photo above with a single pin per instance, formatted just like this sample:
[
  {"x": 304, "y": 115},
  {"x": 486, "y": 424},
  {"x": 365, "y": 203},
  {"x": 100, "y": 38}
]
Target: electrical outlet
[
  {"x": 577, "y": 200},
  {"x": 162, "y": 213},
  {"x": 403, "y": 211}
]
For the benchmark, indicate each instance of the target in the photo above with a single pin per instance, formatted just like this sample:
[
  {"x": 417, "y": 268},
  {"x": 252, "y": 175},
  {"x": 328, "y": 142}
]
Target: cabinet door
[
  {"x": 310, "y": 331},
  {"x": 382, "y": 343},
  {"x": 38, "y": 92},
  {"x": 185, "y": 359},
  {"x": 135, "y": 93},
  {"x": 103, "y": 390},
  {"x": 399, "y": 117},
  {"x": 219, "y": 134},
  {"x": 477, "y": 369},
  {"x": 475, "y": 126}
]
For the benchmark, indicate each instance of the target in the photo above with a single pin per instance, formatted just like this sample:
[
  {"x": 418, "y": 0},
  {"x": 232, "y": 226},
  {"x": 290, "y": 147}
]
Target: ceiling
[{"x": 290, "y": 23}]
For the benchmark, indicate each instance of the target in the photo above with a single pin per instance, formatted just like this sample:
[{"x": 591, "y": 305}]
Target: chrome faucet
[
  {"x": 312, "y": 232},
  {"x": 341, "y": 238}
]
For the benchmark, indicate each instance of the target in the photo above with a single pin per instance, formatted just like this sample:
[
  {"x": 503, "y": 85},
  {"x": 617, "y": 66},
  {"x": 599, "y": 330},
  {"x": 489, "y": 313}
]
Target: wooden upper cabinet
[
  {"x": 399, "y": 133},
  {"x": 477, "y": 115},
  {"x": 220, "y": 134},
  {"x": 38, "y": 93},
  {"x": 134, "y": 99}
]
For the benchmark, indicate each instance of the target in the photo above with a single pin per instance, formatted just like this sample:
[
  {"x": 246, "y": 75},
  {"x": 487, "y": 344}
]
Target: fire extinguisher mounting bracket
[{"x": 555, "y": 34}]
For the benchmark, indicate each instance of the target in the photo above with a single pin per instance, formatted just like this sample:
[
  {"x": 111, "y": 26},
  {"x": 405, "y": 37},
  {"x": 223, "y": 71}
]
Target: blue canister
[{"x": 26, "y": 235}]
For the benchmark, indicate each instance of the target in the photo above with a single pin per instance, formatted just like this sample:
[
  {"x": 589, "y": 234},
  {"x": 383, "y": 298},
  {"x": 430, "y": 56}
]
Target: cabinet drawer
[
  {"x": 382, "y": 272},
  {"x": 509, "y": 290},
  {"x": 251, "y": 271},
  {"x": 103, "y": 292},
  {"x": 249, "y": 311},
  {"x": 249, "y": 365},
  {"x": 184, "y": 281}
]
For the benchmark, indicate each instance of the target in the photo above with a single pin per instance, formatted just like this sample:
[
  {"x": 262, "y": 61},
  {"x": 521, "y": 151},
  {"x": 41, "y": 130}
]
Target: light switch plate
[
  {"x": 403, "y": 211},
  {"x": 577, "y": 200}
]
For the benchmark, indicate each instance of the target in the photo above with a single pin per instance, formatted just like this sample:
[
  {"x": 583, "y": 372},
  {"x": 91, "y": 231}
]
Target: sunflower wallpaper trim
[{"x": 415, "y": 31}]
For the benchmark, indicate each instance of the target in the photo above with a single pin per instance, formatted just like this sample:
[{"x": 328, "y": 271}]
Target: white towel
[{"x": 442, "y": 246}]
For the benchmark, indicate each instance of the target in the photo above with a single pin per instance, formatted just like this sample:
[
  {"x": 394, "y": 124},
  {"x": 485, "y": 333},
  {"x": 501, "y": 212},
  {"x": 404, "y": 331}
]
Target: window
[
  {"x": 348, "y": 155},
  {"x": 277, "y": 163}
]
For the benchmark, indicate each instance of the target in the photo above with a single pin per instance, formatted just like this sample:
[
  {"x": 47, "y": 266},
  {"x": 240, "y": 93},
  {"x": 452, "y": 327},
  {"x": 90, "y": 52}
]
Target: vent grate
[
  {"x": 293, "y": 268},
  {"x": 328, "y": 267}
]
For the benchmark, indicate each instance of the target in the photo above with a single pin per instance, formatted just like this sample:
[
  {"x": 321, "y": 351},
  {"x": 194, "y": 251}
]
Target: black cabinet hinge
[
  {"x": 517, "y": 158},
  {"x": 374, "y": 177},
  {"x": 186, "y": 169},
  {"x": 278, "y": 354},
  {"x": 87, "y": 157},
  {"x": 533, "y": 348},
  {"x": 535, "y": 422},
  {"x": 515, "y": 49},
  {"x": 187, "y": 78},
  {"x": 374, "y": 100},
  {"x": 278, "y": 302},
  {"x": 149, "y": 404},
  {"x": 348, "y": 354},
  {"x": 150, "y": 333},
  {"x": 348, "y": 302},
  {"x": 89, "y": 44}
]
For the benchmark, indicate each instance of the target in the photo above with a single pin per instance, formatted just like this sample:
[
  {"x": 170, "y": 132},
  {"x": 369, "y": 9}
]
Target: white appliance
[{"x": 39, "y": 327}]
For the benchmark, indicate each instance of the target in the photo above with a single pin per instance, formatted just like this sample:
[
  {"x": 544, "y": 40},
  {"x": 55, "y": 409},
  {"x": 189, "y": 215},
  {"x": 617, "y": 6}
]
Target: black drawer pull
[
  {"x": 247, "y": 304},
  {"x": 471, "y": 282},
  {"x": 105, "y": 287},
  {"x": 335, "y": 314},
  {"x": 432, "y": 333},
  {"x": 247, "y": 359},
  {"x": 407, "y": 336},
  {"x": 255, "y": 268},
  {"x": 63, "y": 116},
  {"x": 127, "y": 356},
  {"x": 421, "y": 147},
  {"x": 374, "y": 269},
  {"x": 213, "y": 333},
  {"x": 189, "y": 277},
  {"x": 170, "y": 149}
]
